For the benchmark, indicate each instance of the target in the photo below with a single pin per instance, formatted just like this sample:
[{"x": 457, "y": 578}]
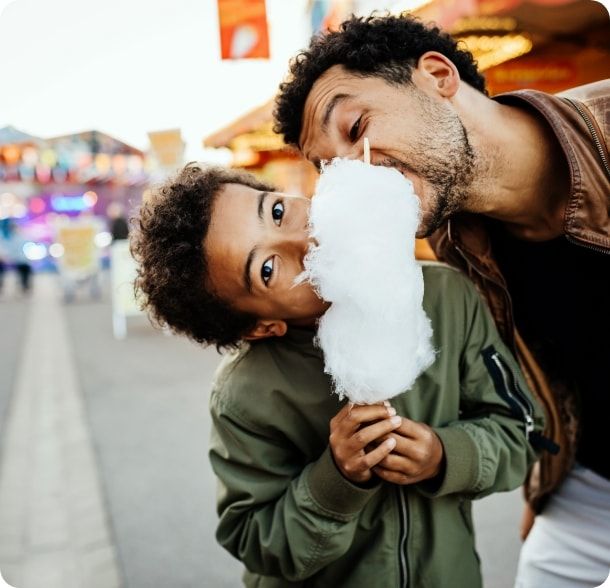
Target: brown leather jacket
[{"x": 580, "y": 118}]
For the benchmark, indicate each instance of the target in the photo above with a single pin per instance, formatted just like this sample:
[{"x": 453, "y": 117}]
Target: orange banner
[{"x": 243, "y": 29}]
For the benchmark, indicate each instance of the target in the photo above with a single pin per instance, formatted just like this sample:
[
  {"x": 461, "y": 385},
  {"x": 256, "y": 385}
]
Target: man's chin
[{"x": 425, "y": 229}]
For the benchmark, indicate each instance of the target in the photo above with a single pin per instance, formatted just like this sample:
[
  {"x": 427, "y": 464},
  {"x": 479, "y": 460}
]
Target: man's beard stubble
[{"x": 446, "y": 160}]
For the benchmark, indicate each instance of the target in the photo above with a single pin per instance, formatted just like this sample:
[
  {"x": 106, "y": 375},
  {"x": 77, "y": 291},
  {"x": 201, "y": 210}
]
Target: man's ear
[
  {"x": 438, "y": 73},
  {"x": 267, "y": 328}
]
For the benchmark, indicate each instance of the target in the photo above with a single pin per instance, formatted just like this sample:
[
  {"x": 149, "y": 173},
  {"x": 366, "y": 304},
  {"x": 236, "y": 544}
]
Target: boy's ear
[
  {"x": 439, "y": 72},
  {"x": 267, "y": 328}
]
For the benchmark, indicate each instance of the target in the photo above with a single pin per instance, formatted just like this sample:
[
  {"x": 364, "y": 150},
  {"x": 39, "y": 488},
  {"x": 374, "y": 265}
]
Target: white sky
[{"x": 126, "y": 67}]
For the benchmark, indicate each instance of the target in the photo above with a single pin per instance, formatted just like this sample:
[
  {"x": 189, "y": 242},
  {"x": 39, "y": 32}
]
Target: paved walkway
[{"x": 53, "y": 523}]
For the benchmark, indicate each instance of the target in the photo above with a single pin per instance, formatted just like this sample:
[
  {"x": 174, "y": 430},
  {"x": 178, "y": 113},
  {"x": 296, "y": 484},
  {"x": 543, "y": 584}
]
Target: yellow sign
[
  {"x": 167, "y": 147},
  {"x": 80, "y": 252}
]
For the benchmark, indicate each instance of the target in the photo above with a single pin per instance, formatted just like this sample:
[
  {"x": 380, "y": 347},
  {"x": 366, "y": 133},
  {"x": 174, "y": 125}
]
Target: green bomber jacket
[{"x": 290, "y": 516}]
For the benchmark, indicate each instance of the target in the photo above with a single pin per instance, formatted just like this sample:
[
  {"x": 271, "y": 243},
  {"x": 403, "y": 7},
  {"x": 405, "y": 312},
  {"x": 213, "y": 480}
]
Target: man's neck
[{"x": 523, "y": 180}]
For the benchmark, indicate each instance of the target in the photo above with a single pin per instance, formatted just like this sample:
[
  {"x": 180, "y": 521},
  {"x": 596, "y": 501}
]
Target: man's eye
[
  {"x": 354, "y": 131},
  {"x": 277, "y": 212},
  {"x": 267, "y": 271}
]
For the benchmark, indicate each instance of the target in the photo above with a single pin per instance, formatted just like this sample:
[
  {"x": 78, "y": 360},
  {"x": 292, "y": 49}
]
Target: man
[
  {"x": 315, "y": 491},
  {"x": 515, "y": 191}
]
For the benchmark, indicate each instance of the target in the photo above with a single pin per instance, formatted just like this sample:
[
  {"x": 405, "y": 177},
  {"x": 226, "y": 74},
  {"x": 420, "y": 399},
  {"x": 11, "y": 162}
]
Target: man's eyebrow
[
  {"x": 247, "y": 268},
  {"x": 261, "y": 203},
  {"x": 336, "y": 99}
]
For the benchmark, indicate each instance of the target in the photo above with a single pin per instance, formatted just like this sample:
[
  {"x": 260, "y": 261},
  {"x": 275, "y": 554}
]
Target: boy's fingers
[
  {"x": 372, "y": 458},
  {"x": 409, "y": 428},
  {"x": 399, "y": 464},
  {"x": 352, "y": 420},
  {"x": 366, "y": 435}
]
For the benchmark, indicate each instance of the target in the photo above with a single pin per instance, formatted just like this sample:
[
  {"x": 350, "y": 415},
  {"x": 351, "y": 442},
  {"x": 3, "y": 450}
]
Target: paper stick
[{"x": 367, "y": 151}]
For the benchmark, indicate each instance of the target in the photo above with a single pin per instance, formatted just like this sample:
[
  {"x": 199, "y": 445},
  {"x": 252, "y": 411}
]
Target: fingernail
[
  {"x": 391, "y": 411},
  {"x": 390, "y": 442},
  {"x": 386, "y": 403},
  {"x": 396, "y": 420}
]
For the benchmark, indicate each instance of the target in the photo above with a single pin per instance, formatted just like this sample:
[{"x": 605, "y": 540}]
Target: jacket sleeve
[
  {"x": 494, "y": 443},
  {"x": 279, "y": 516}
]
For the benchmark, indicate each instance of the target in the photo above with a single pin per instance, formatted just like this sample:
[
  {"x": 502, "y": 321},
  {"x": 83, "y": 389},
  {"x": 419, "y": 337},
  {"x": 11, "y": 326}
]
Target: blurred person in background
[
  {"x": 515, "y": 191},
  {"x": 119, "y": 227},
  {"x": 12, "y": 250},
  {"x": 311, "y": 492}
]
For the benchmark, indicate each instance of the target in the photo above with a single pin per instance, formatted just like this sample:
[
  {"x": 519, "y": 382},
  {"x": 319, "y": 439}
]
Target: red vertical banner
[{"x": 243, "y": 29}]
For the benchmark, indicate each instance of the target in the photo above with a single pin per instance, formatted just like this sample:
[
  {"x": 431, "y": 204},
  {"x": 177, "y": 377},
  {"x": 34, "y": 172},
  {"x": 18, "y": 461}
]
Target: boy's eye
[
  {"x": 277, "y": 212},
  {"x": 354, "y": 131},
  {"x": 267, "y": 271}
]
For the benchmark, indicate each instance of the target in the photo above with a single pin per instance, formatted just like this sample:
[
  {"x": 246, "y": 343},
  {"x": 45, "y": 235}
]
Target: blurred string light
[
  {"x": 90, "y": 198},
  {"x": 491, "y": 50},
  {"x": 37, "y": 205},
  {"x": 11, "y": 206},
  {"x": 470, "y": 24},
  {"x": 8, "y": 199},
  {"x": 34, "y": 251},
  {"x": 19, "y": 210},
  {"x": 103, "y": 239},
  {"x": 56, "y": 250}
]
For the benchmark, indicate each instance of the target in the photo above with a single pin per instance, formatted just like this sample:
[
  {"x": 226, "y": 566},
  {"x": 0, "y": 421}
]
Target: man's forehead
[{"x": 333, "y": 82}]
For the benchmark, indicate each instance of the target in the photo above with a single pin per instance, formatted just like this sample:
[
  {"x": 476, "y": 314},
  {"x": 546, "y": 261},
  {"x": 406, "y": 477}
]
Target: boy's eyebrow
[
  {"x": 261, "y": 203},
  {"x": 248, "y": 266},
  {"x": 247, "y": 269}
]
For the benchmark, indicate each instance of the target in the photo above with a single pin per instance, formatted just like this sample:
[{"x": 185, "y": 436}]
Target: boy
[{"x": 313, "y": 491}]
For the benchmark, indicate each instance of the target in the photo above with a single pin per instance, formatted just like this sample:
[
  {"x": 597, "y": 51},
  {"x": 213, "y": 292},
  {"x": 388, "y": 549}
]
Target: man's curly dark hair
[
  {"x": 386, "y": 46},
  {"x": 167, "y": 244}
]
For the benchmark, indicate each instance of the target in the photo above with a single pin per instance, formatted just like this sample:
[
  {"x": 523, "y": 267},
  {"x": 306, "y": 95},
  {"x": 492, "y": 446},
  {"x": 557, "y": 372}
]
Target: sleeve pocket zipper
[{"x": 508, "y": 389}]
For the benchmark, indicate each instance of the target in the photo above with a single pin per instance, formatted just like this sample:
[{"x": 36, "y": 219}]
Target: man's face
[
  {"x": 255, "y": 247},
  {"x": 408, "y": 128}
]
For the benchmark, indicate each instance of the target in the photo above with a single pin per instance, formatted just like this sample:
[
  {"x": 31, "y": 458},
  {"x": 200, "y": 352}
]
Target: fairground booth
[{"x": 48, "y": 183}]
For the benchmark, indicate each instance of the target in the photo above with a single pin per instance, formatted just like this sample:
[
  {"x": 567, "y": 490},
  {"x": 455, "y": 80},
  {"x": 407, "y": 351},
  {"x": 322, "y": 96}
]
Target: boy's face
[{"x": 255, "y": 247}]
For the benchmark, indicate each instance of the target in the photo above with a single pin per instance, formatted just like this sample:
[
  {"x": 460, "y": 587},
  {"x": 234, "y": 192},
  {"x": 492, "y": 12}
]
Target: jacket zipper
[
  {"x": 593, "y": 132},
  {"x": 602, "y": 156},
  {"x": 587, "y": 245},
  {"x": 518, "y": 397},
  {"x": 402, "y": 543}
]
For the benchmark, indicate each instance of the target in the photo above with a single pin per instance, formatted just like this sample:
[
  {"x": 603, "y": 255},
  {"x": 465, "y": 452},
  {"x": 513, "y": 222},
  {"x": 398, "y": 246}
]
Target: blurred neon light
[{"x": 70, "y": 203}]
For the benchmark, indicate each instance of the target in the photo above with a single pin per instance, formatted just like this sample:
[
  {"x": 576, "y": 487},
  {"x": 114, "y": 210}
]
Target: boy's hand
[
  {"x": 418, "y": 454},
  {"x": 352, "y": 429}
]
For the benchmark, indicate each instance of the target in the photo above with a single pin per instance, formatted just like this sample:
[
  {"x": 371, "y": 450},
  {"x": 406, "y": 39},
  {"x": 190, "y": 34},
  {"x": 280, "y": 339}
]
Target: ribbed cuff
[
  {"x": 332, "y": 491},
  {"x": 461, "y": 462}
]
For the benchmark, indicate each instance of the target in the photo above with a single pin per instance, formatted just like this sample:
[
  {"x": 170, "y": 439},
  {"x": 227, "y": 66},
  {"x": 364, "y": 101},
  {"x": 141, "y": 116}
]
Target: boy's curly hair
[
  {"x": 167, "y": 243},
  {"x": 386, "y": 46}
]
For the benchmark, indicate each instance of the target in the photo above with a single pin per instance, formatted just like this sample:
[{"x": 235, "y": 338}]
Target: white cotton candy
[{"x": 375, "y": 336}]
